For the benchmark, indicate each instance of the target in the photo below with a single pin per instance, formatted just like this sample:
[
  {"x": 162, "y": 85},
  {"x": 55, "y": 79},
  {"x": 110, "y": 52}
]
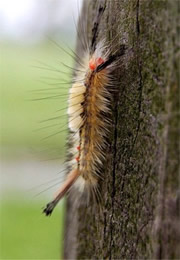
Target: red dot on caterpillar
[
  {"x": 77, "y": 158},
  {"x": 99, "y": 61},
  {"x": 93, "y": 63},
  {"x": 78, "y": 148}
]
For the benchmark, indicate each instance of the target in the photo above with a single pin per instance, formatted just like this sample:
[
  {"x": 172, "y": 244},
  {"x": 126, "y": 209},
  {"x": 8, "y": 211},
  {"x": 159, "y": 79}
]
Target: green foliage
[
  {"x": 26, "y": 233},
  {"x": 20, "y": 113}
]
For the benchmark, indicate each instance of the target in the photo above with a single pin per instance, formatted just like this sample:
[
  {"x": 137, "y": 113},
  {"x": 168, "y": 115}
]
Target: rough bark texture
[{"x": 140, "y": 204}]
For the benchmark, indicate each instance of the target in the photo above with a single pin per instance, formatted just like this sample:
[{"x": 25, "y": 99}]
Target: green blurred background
[{"x": 33, "y": 123}]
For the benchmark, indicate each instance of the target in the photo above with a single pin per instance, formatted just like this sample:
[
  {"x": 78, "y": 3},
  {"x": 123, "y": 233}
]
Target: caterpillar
[{"x": 89, "y": 117}]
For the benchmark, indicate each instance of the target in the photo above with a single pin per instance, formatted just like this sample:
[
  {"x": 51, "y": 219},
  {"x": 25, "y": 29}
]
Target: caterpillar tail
[{"x": 72, "y": 177}]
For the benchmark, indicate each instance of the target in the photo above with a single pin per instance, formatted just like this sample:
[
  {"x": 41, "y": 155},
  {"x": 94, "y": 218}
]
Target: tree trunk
[{"x": 139, "y": 218}]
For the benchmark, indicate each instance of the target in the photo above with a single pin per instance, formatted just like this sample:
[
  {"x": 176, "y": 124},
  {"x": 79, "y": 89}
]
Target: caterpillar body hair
[{"x": 89, "y": 120}]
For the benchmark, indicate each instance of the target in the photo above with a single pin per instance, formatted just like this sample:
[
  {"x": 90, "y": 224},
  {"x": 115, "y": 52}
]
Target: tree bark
[{"x": 139, "y": 218}]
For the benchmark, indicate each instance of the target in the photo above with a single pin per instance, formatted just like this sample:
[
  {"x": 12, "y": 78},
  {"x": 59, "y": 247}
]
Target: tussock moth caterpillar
[{"x": 89, "y": 109}]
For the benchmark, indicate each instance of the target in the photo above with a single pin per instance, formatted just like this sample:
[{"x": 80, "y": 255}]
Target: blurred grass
[
  {"x": 27, "y": 234},
  {"x": 20, "y": 113}
]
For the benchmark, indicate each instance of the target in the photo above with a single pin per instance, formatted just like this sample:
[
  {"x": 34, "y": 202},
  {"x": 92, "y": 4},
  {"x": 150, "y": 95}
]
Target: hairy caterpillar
[{"x": 88, "y": 111}]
